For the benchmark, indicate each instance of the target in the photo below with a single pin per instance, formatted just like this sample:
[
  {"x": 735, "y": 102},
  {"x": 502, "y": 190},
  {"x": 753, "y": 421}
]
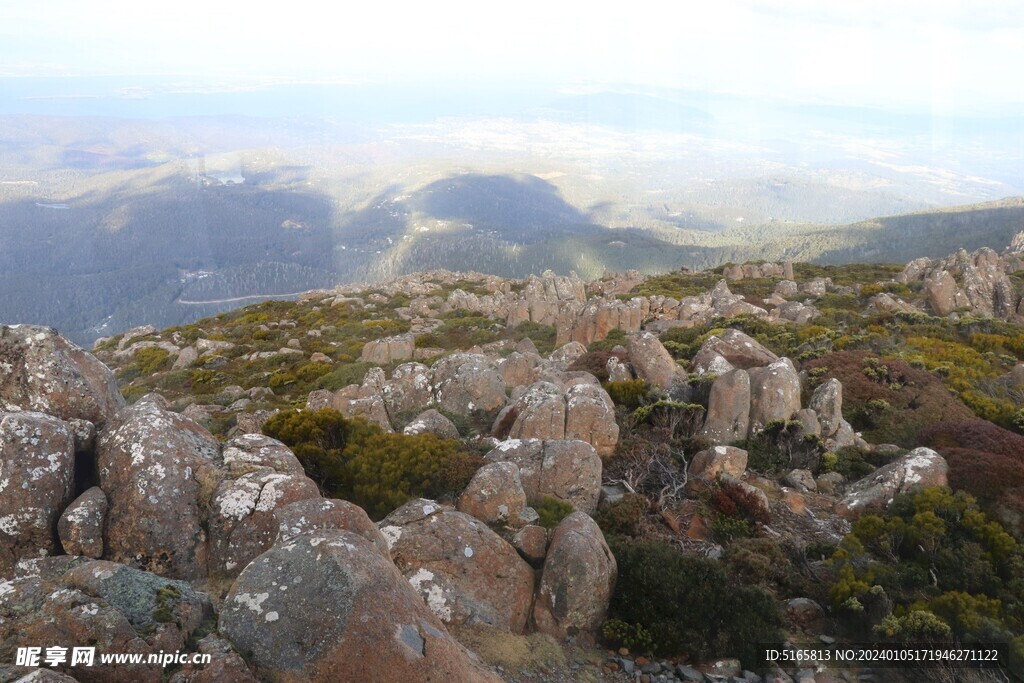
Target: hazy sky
[{"x": 925, "y": 54}]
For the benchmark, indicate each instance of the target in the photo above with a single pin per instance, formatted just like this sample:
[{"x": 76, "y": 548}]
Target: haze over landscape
[
  {"x": 543, "y": 342},
  {"x": 157, "y": 167}
]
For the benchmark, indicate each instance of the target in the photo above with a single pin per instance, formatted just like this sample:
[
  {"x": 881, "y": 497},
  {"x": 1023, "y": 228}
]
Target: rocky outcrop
[
  {"x": 583, "y": 411},
  {"x": 734, "y": 349},
  {"x": 465, "y": 572},
  {"x": 577, "y": 581},
  {"x": 774, "y": 393},
  {"x": 728, "y": 416},
  {"x": 158, "y": 470},
  {"x": 41, "y": 371},
  {"x": 81, "y": 526},
  {"x": 316, "y": 514},
  {"x": 92, "y": 603},
  {"x": 37, "y": 461},
  {"x": 495, "y": 495},
  {"x": 464, "y": 383},
  {"x": 261, "y": 476},
  {"x": 389, "y": 349},
  {"x": 652, "y": 361},
  {"x": 566, "y": 470},
  {"x": 377, "y": 622},
  {"x": 920, "y": 468},
  {"x": 718, "y": 461},
  {"x": 976, "y": 282},
  {"x": 827, "y": 404},
  {"x": 432, "y": 422}
]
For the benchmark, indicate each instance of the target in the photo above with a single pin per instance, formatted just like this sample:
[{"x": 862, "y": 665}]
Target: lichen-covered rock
[
  {"x": 728, "y": 417},
  {"x": 432, "y": 422},
  {"x": 717, "y": 461},
  {"x": 921, "y": 467},
  {"x": 590, "y": 417},
  {"x": 577, "y": 582},
  {"x": 410, "y": 388},
  {"x": 225, "y": 665},
  {"x": 532, "y": 543},
  {"x": 519, "y": 369},
  {"x": 652, "y": 361},
  {"x": 774, "y": 393},
  {"x": 37, "y": 472},
  {"x": 736, "y": 349},
  {"x": 495, "y": 495},
  {"x": 42, "y": 371},
  {"x": 388, "y": 350},
  {"x": 81, "y": 526},
  {"x": 465, "y": 572},
  {"x": 242, "y": 521},
  {"x": 92, "y": 603},
  {"x": 464, "y": 383},
  {"x": 375, "y": 627},
  {"x": 314, "y": 514},
  {"x": 159, "y": 470},
  {"x": 566, "y": 470},
  {"x": 568, "y": 353},
  {"x": 538, "y": 414}
]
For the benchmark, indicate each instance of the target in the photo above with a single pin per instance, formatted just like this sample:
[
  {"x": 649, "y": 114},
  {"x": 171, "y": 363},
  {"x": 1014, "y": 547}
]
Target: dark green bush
[
  {"x": 630, "y": 394},
  {"x": 689, "y": 605},
  {"x": 358, "y": 461},
  {"x": 623, "y": 518}
]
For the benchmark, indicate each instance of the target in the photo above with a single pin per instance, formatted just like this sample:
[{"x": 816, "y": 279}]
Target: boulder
[
  {"x": 577, "y": 581},
  {"x": 465, "y": 572},
  {"x": 519, "y": 369},
  {"x": 464, "y": 383},
  {"x": 539, "y": 413},
  {"x": 315, "y": 514},
  {"x": 717, "y": 461},
  {"x": 652, "y": 361},
  {"x": 495, "y": 495},
  {"x": 432, "y": 422},
  {"x": 590, "y": 417},
  {"x": 566, "y": 470},
  {"x": 736, "y": 348},
  {"x": 225, "y": 665},
  {"x": 801, "y": 480},
  {"x": 921, "y": 467},
  {"x": 42, "y": 371},
  {"x": 377, "y": 627},
  {"x": 158, "y": 470},
  {"x": 242, "y": 521},
  {"x": 81, "y": 526},
  {"x": 568, "y": 353},
  {"x": 410, "y": 388},
  {"x": 37, "y": 474},
  {"x": 532, "y": 544},
  {"x": 728, "y": 417},
  {"x": 774, "y": 393},
  {"x": 388, "y": 350},
  {"x": 75, "y": 602}
]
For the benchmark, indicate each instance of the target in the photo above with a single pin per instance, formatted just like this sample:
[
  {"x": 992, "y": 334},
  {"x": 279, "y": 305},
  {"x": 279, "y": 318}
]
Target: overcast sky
[{"x": 922, "y": 54}]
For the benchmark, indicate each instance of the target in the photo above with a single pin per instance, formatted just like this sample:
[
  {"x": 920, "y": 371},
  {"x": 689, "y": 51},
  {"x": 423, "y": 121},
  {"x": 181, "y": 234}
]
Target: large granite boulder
[
  {"x": 37, "y": 473},
  {"x": 464, "y": 383},
  {"x": 315, "y": 514},
  {"x": 920, "y": 468},
  {"x": 158, "y": 470},
  {"x": 577, "y": 581},
  {"x": 566, "y": 470},
  {"x": 495, "y": 495},
  {"x": 774, "y": 393},
  {"x": 377, "y": 627},
  {"x": 261, "y": 476},
  {"x": 590, "y": 417},
  {"x": 728, "y": 417},
  {"x": 75, "y": 602},
  {"x": 465, "y": 572},
  {"x": 81, "y": 526},
  {"x": 42, "y": 371},
  {"x": 652, "y": 362}
]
